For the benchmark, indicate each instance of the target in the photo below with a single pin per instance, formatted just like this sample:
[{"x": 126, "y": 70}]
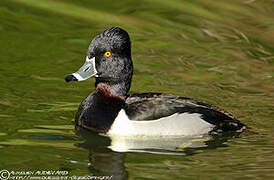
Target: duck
[{"x": 111, "y": 110}]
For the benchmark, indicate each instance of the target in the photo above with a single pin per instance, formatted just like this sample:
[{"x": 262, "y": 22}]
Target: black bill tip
[{"x": 70, "y": 78}]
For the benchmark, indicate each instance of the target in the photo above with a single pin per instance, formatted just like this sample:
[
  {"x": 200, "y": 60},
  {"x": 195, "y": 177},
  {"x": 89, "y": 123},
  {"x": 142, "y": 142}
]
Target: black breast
[{"x": 97, "y": 112}]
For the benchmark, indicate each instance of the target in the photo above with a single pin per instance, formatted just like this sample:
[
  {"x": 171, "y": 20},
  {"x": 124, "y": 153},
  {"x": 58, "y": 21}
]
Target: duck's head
[{"x": 109, "y": 61}]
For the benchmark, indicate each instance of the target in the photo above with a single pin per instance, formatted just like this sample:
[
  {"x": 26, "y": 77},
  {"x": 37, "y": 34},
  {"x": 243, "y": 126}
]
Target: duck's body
[
  {"x": 109, "y": 109},
  {"x": 151, "y": 114}
]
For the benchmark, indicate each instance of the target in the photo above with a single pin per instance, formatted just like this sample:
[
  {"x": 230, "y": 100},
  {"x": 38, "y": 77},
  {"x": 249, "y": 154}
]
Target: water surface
[{"x": 217, "y": 51}]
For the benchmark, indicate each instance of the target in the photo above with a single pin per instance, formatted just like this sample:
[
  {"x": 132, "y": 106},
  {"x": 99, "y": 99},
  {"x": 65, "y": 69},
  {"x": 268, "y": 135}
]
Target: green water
[{"x": 221, "y": 52}]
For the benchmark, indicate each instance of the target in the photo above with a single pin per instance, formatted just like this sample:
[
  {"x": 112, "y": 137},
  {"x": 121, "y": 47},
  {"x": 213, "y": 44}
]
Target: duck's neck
[
  {"x": 110, "y": 91},
  {"x": 113, "y": 88}
]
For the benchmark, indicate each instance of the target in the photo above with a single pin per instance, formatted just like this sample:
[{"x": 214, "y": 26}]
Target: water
[{"x": 219, "y": 52}]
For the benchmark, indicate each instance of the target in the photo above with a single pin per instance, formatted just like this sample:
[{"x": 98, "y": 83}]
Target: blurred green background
[{"x": 221, "y": 52}]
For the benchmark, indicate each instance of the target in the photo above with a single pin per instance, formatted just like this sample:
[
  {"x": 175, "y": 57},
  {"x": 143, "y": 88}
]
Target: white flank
[{"x": 176, "y": 124}]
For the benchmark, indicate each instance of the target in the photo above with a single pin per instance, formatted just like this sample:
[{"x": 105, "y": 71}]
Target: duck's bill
[{"x": 86, "y": 71}]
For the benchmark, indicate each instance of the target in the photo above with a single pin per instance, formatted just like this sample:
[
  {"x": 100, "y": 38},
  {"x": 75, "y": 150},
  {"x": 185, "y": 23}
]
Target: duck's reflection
[
  {"x": 106, "y": 153},
  {"x": 103, "y": 161},
  {"x": 108, "y": 164}
]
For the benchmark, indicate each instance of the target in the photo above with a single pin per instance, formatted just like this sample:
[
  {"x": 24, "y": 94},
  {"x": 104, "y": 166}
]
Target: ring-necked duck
[{"x": 109, "y": 109}]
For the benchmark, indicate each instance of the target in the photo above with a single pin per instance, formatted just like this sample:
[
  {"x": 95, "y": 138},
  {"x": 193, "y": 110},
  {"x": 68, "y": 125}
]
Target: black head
[
  {"x": 115, "y": 39},
  {"x": 112, "y": 53},
  {"x": 109, "y": 60}
]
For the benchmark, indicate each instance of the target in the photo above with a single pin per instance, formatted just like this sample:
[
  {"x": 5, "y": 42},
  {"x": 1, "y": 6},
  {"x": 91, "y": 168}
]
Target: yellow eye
[{"x": 107, "y": 54}]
